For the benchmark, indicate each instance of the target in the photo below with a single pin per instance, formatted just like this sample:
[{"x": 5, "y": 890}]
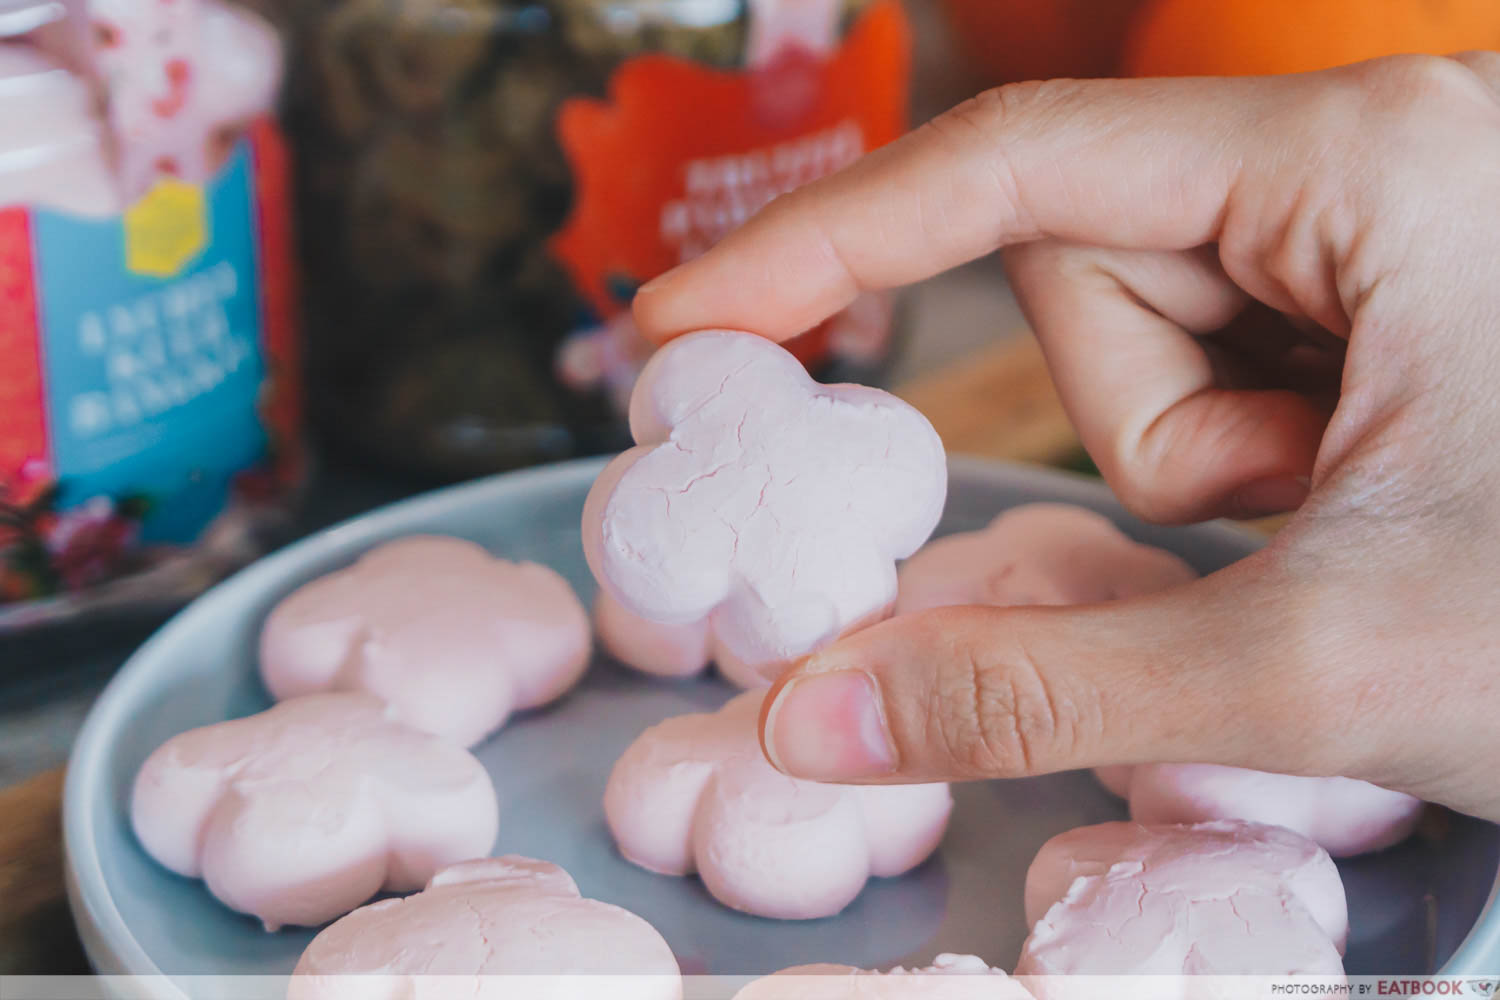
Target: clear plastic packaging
[
  {"x": 484, "y": 184},
  {"x": 150, "y": 438}
]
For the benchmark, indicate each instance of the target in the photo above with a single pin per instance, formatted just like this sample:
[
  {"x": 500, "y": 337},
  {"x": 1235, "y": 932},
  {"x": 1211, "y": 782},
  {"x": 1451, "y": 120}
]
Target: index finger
[{"x": 1143, "y": 164}]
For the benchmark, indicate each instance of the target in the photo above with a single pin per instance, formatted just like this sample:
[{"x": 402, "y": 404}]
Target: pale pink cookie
[
  {"x": 950, "y": 977},
  {"x": 1224, "y": 898},
  {"x": 759, "y": 499},
  {"x": 695, "y": 794},
  {"x": 489, "y": 929},
  {"x": 1344, "y": 816},
  {"x": 1037, "y": 554},
  {"x": 302, "y": 812},
  {"x": 454, "y": 639},
  {"x": 670, "y": 650}
]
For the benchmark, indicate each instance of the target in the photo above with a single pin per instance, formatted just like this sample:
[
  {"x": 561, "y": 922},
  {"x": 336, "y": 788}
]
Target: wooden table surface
[{"x": 999, "y": 403}]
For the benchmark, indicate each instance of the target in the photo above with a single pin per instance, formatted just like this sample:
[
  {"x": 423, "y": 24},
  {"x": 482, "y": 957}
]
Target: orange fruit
[
  {"x": 1253, "y": 37},
  {"x": 1008, "y": 40}
]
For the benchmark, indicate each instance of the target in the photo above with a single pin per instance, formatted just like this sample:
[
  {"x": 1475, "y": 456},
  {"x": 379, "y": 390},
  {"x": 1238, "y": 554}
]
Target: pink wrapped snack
[
  {"x": 760, "y": 500},
  {"x": 475, "y": 929},
  {"x": 299, "y": 814},
  {"x": 950, "y": 977},
  {"x": 1343, "y": 816},
  {"x": 1039, "y": 553},
  {"x": 454, "y": 639},
  {"x": 1225, "y": 898},
  {"x": 695, "y": 794},
  {"x": 670, "y": 650}
]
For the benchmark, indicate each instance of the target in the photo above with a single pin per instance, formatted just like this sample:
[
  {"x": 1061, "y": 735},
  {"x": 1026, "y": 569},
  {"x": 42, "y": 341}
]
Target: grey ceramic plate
[{"x": 1414, "y": 909}]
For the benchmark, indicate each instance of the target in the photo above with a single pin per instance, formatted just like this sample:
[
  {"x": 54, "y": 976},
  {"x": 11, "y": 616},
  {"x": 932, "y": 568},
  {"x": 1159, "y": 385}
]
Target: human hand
[{"x": 1255, "y": 295}]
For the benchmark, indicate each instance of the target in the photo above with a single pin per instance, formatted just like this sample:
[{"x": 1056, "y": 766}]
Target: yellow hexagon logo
[{"x": 166, "y": 229}]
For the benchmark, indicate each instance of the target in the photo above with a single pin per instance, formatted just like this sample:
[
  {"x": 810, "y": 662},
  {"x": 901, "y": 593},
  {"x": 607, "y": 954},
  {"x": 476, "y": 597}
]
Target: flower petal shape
[
  {"x": 1037, "y": 554},
  {"x": 489, "y": 929},
  {"x": 302, "y": 812},
  {"x": 758, "y": 498},
  {"x": 694, "y": 794},
  {"x": 454, "y": 639},
  {"x": 1220, "y": 899}
]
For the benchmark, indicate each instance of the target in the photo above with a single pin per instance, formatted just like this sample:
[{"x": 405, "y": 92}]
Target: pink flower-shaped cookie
[
  {"x": 1343, "y": 816},
  {"x": 759, "y": 499},
  {"x": 451, "y": 637},
  {"x": 475, "y": 929},
  {"x": 671, "y": 650},
  {"x": 302, "y": 812},
  {"x": 1039, "y": 553},
  {"x": 950, "y": 977},
  {"x": 1224, "y": 898},
  {"x": 695, "y": 794}
]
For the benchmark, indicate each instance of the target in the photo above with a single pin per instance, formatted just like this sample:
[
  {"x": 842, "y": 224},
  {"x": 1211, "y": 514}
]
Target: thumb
[{"x": 1192, "y": 674}]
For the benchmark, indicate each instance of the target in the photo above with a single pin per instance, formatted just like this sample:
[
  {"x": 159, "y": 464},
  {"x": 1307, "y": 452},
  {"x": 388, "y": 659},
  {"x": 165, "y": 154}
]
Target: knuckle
[
  {"x": 1399, "y": 112},
  {"x": 998, "y": 716},
  {"x": 1484, "y": 64},
  {"x": 1413, "y": 86},
  {"x": 790, "y": 204},
  {"x": 1042, "y": 264},
  {"x": 1134, "y": 471},
  {"x": 1154, "y": 465},
  {"x": 1007, "y": 110},
  {"x": 1423, "y": 111},
  {"x": 989, "y": 129}
]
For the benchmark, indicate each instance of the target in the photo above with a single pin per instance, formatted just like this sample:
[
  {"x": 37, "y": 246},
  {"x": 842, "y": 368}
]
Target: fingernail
[
  {"x": 1275, "y": 495},
  {"x": 829, "y": 727}
]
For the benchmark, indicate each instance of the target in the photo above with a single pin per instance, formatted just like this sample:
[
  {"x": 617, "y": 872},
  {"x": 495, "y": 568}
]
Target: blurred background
[{"x": 266, "y": 265}]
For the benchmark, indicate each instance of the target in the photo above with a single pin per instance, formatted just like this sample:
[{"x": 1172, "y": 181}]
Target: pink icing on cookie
[
  {"x": 1225, "y": 898},
  {"x": 950, "y": 977},
  {"x": 451, "y": 637},
  {"x": 1039, "y": 553},
  {"x": 775, "y": 506},
  {"x": 1344, "y": 816},
  {"x": 671, "y": 650},
  {"x": 476, "y": 928},
  {"x": 302, "y": 812},
  {"x": 695, "y": 794}
]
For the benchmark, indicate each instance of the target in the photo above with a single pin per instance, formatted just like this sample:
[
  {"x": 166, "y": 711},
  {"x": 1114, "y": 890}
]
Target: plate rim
[
  {"x": 108, "y": 942},
  {"x": 110, "y": 945}
]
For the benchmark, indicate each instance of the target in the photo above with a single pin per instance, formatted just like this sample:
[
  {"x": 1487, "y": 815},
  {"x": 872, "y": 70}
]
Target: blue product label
[{"x": 152, "y": 380}]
